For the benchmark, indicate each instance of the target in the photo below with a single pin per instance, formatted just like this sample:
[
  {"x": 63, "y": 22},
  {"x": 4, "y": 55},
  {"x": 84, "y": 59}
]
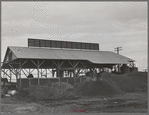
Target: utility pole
[{"x": 118, "y": 49}]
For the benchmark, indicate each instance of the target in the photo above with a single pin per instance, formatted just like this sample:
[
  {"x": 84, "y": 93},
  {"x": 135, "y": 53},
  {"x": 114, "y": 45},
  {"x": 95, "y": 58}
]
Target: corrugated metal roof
[{"x": 98, "y": 57}]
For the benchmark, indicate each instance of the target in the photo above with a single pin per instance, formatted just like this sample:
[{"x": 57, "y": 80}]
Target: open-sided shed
[{"x": 18, "y": 59}]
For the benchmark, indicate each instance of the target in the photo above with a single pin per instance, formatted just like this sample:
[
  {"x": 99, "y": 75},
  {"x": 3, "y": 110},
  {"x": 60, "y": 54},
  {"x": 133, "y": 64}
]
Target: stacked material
[
  {"x": 55, "y": 90},
  {"x": 110, "y": 84}
]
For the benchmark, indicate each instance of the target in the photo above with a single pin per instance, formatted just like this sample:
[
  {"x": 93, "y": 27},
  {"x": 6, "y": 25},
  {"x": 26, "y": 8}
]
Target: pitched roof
[{"x": 97, "y": 57}]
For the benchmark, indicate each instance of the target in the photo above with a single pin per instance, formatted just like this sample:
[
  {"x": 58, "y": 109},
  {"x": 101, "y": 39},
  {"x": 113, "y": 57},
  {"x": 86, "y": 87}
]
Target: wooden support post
[
  {"x": 46, "y": 73},
  {"x": 10, "y": 76},
  {"x": 41, "y": 73},
  {"x": 20, "y": 73},
  {"x": 38, "y": 71},
  {"x": 16, "y": 76},
  {"x": 58, "y": 70},
  {"x": 75, "y": 72},
  {"x": 70, "y": 74},
  {"x": 67, "y": 74},
  {"x": 4, "y": 73},
  {"x": 52, "y": 73},
  {"x": 118, "y": 66}
]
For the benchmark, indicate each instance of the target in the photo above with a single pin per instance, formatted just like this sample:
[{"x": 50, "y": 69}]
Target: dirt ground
[
  {"x": 125, "y": 103},
  {"x": 133, "y": 98}
]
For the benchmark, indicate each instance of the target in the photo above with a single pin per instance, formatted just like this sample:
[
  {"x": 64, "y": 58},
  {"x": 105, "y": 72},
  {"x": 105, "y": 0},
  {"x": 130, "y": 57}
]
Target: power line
[{"x": 118, "y": 49}]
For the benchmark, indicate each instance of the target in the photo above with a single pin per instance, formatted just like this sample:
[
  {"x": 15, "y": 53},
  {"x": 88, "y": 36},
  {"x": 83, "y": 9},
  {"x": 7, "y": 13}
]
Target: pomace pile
[
  {"x": 55, "y": 90},
  {"x": 111, "y": 84}
]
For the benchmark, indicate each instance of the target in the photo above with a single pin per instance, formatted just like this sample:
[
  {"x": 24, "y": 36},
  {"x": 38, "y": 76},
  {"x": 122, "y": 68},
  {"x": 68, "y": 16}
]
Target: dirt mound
[
  {"x": 109, "y": 84},
  {"x": 140, "y": 77},
  {"x": 93, "y": 88},
  {"x": 122, "y": 82},
  {"x": 55, "y": 90}
]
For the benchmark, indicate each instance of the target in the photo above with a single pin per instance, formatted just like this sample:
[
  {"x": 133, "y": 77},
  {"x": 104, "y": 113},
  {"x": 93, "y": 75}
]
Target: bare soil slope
[{"x": 112, "y": 84}]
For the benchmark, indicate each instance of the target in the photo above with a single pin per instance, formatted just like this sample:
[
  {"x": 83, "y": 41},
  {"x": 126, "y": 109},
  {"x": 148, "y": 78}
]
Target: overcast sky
[{"x": 111, "y": 24}]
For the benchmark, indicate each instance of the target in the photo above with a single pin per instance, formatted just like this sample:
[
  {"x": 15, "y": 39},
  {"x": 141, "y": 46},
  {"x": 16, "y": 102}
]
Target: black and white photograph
[{"x": 74, "y": 57}]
